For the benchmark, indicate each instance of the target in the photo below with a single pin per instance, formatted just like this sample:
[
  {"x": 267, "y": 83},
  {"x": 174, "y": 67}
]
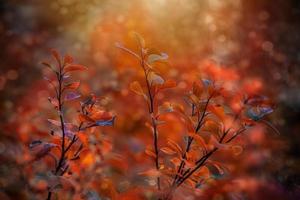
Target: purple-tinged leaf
[
  {"x": 257, "y": 113},
  {"x": 54, "y": 122},
  {"x": 206, "y": 82},
  {"x": 106, "y": 122},
  {"x": 35, "y": 143},
  {"x": 71, "y": 96}
]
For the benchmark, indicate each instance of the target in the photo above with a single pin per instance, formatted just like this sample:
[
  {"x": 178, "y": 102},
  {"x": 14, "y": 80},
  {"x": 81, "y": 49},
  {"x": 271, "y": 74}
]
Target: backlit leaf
[
  {"x": 237, "y": 149},
  {"x": 150, "y": 153},
  {"x": 85, "y": 118},
  {"x": 156, "y": 57},
  {"x": 140, "y": 40},
  {"x": 54, "y": 122},
  {"x": 136, "y": 88},
  {"x": 56, "y": 55},
  {"x": 168, "y": 150},
  {"x": 167, "y": 84},
  {"x": 72, "y": 86},
  {"x": 197, "y": 89},
  {"x": 68, "y": 59},
  {"x": 73, "y": 67},
  {"x": 155, "y": 79},
  {"x": 151, "y": 173},
  {"x": 106, "y": 122},
  {"x": 35, "y": 143},
  {"x": 174, "y": 146},
  {"x": 71, "y": 96}
]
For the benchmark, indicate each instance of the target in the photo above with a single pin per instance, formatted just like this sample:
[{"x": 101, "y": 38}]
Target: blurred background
[{"x": 252, "y": 45}]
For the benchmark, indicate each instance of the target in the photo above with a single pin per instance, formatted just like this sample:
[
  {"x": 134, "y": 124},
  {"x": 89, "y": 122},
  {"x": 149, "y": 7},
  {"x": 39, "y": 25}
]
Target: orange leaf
[
  {"x": 174, "y": 146},
  {"x": 150, "y": 153},
  {"x": 167, "y": 84},
  {"x": 197, "y": 89},
  {"x": 175, "y": 161},
  {"x": 168, "y": 150},
  {"x": 155, "y": 79},
  {"x": 74, "y": 67},
  {"x": 237, "y": 150},
  {"x": 198, "y": 139},
  {"x": 217, "y": 110},
  {"x": 68, "y": 59},
  {"x": 56, "y": 55},
  {"x": 73, "y": 86},
  {"x": 139, "y": 39},
  {"x": 136, "y": 88},
  {"x": 85, "y": 118},
  {"x": 151, "y": 173},
  {"x": 101, "y": 115},
  {"x": 88, "y": 160}
]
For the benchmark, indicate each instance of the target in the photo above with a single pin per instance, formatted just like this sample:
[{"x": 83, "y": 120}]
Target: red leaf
[
  {"x": 56, "y": 55},
  {"x": 54, "y": 122},
  {"x": 71, "y": 96},
  {"x": 136, "y": 88},
  {"x": 73, "y": 86},
  {"x": 85, "y": 118},
  {"x": 168, "y": 150},
  {"x": 74, "y": 67},
  {"x": 68, "y": 59}
]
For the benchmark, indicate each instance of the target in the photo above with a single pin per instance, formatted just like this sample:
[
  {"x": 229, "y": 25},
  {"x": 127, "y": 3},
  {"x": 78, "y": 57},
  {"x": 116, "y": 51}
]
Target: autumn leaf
[
  {"x": 139, "y": 39},
  {"x": 54, "y": 122},
  {"x": 174, "y": 146},
  {"x": 136, "y": 88},
  {"x": 105, "y": 122},
  {"x": 72, "y": 86},
  {"x": 218, "y": 111},
  {"x": 85, "y": 118},
  {"x": 168, "y": 150},
  {"x": 68, "y": 59},
  {"x": 151, "y": 173},
  {"x": 236, "y": 149},
  {"x": 197, "y": 89},
  {"x": 167, "y": 84},
  {"x": 71, "y": 96},
  {"x": 73, "y": 67},
  {"x": 155, "y": 79},
  {"x": 101, "y": 115},
  {"x": 56, "y": 55},
  {"x": 150, "y": 153},
  {"x": 156, "y": 57}
]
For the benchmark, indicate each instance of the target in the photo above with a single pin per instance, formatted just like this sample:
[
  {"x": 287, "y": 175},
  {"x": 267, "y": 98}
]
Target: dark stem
[
  {"x": 151, "y": 112},
  {"x": 190, "y": 140}
]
